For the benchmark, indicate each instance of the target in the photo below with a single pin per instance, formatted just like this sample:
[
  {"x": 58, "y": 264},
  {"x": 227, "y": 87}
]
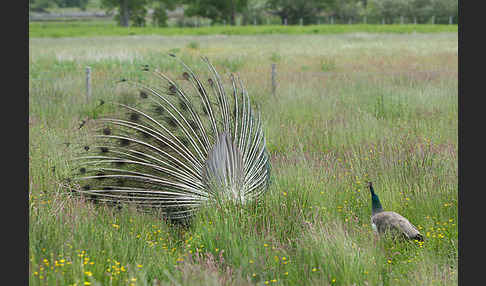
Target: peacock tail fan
[{"x": 184, "y": 143}]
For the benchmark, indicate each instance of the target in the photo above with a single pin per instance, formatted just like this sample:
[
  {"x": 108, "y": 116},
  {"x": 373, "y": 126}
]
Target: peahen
[
  {"x": 178, "y": 148},
  {"x": 383, "y": 221}
]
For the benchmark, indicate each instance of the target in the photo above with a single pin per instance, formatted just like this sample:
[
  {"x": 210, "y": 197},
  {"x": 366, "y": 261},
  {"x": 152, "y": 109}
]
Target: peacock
[
  {"x": 383, "y": 221},
  {"x": 183, "y": 143}
]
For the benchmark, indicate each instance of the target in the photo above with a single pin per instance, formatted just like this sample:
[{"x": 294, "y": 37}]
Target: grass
[
  {"x": 348, "y": 108},
  {"x": 109, "y": 28}
]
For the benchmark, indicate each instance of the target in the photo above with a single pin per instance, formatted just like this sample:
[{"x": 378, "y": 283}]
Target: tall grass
[{"x": 386, "y": 111}]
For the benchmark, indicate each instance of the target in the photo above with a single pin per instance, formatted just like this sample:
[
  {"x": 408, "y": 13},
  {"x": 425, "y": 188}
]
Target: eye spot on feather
[
  {"x": 182, "y": 105},
  {"x": 204, "y": 109},
  {"x": 104, "y": 149},
  {"x": 100, "y": 176},
  {"x": 159, "y": 110},
  {"x": 143, "y": 94},
  {"x": 185, "y": 75},
  {"x": 171, "y": 122},
  {"x": 134, "y": 117},
  {"x": 145, "y": 134},
  {"x": 184, "y": 141},
  {"x": 107, "y": 131},
  {"x": 172, "y": 90},
  {"x": 193, "y": 125},
  {"x": 124, "y": 142}
]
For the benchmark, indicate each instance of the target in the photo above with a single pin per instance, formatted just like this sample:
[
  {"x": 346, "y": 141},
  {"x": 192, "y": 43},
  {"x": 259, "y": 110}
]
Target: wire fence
[{"x": 272, "y": 77}]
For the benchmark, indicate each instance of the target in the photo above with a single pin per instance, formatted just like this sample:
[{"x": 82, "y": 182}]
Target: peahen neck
[{"x": 375, "y": 202}]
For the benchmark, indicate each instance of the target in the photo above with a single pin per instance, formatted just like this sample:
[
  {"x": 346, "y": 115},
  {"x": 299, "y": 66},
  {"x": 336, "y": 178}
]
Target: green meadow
[
  {"x": 349, "y": 107},
  {"x": 109, "y": 28}
]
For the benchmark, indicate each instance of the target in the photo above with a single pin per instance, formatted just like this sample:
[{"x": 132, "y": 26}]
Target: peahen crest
[{"x": 178, "y": 148}]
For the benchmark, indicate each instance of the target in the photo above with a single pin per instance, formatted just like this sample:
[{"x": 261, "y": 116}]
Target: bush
[{"x": 159, "y": 17}]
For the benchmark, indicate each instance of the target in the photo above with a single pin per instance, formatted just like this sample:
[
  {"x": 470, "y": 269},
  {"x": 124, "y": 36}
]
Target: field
[
  {"x": 109, "y": 28},
  {"x": 349, "y": 107}
]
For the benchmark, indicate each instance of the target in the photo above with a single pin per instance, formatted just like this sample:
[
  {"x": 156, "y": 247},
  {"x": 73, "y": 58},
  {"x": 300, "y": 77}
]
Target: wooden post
[
  {"x": 285, "y": 21},
  {"x": 365, "y": 20},
  {"x": 383, "y": 21},
  {"x": 332, "y": 20},
  {"x": 450, "y": 20},
  {"x": 415, "y": 20},
  {"x": 433, "y": 20},
  {"x": 274, "y": 84},
  {"x": 254, "y": 21},
  {"x": 350, "y": 21},
  {"x": 401, "y": 20},
  {"x": 301, "y": 21},
  {"x": 88, "y": 83}
]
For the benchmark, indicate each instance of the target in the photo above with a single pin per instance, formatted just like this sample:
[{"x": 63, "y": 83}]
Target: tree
[
  {"x": 294, "y": 10},
  {"x": 255, "y": 10},
  {"x": 216, "y": 10},
  {"x": 159, "y": 17},
  {"x": 72, "y": 3},
  {"x": 348, "y": 9},
  {"x": 389, "y": 9},
  {"x": 41, "y": 5},
  {"x": 445, "y": 7},
  {"x": 133, "y": 10}
]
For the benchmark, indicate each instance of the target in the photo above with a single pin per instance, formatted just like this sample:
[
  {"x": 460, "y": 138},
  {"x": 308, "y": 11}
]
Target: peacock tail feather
[{"x": 178, "y": 147}]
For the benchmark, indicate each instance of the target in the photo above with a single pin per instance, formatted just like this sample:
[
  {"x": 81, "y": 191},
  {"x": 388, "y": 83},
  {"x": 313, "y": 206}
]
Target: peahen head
[{"x": 375, "y": 201}]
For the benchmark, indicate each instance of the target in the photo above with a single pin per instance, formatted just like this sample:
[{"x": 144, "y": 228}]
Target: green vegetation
[
  {"x": 367, "y": 106},
  {"x": 108, "y": 28},
  {"x": 236, "y": 12}
]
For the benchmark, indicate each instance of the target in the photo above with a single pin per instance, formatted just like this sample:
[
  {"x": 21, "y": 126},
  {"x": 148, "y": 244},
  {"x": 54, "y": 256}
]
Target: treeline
[{"x": 257, "y": 12}]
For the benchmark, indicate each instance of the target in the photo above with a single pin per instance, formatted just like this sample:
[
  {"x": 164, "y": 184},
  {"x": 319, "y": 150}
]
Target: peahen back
[{"x": 183, "y": 143}]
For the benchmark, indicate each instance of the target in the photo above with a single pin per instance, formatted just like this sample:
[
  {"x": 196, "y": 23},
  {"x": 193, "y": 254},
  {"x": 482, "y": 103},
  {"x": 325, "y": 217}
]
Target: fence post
[
  {"x": 224, "y": 22},
  {"x": 274, "y": 84},
  {"x": 365, "y": 20},
  {"x": 414, "y": 20},
  {"x": 88, "y": 83},
  {"x": 332, "y": 20},
  {"x": 350, "y": 21},
  {"x": 401, "y": 20},
  {"x": 383, "y": 21},
  {"x": 318, "y": 21},
  {"x": 301, "y": 21},
  {"x": 450, "y": 20},
  {"x": 285, "y": 21},
  {"x": 433, "y": 20},
  {"x": 254, "y": 21}
]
